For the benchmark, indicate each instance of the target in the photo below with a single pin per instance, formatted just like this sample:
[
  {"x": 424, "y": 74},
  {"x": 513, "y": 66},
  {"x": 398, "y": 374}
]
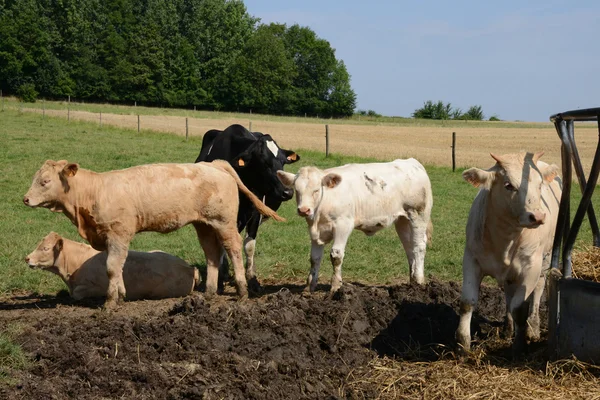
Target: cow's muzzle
[
  {"x": 26, "y": 201},
  {"x": 304, "y": 211}
]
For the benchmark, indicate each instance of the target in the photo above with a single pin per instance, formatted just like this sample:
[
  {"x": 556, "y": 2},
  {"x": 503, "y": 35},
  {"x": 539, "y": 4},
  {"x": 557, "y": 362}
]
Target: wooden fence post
[
  {"x": 326, "y": 140},
  {"x": 138, "y": 123},
  {"x": 453, "y": 151},
  {"x": 250, "y": 129},
  {"x": 194, "y": 108},
  {"x": 186, "y": 129}
]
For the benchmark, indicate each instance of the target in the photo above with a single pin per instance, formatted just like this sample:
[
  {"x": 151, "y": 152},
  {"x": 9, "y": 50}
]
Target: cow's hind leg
[
  {"x": 212, "y": 250},
  {"x": 413, "y": 235},
  {"x": 470, "y": 294},
  {"x": 117, "y": 254},
  {"x": 223, "y": 272},
  {"x": 232, "y": 242},
  {"x": 249, "y": 249},
  {"x": 341, "y": 234}
]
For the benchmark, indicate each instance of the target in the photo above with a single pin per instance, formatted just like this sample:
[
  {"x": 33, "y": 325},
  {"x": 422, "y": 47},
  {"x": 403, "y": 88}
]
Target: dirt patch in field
[{"x": 363, "y": 342}]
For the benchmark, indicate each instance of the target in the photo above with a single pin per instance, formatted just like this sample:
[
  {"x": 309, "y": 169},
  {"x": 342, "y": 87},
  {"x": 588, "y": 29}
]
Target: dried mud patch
[{"x": 282, "y": 345}]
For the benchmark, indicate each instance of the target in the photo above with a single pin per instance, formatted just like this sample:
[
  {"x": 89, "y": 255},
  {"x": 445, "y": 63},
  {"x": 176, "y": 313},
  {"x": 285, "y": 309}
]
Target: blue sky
[{"x": 520, "y": 60}]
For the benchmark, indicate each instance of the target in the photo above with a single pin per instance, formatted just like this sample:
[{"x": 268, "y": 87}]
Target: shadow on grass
[{"x": 47, "y": 301}]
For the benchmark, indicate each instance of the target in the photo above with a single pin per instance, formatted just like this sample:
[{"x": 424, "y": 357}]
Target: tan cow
[
  {"x": 510, "y": 231},
  {"x": 109, "y": 208},
  {"x": 152, "y": 275}
]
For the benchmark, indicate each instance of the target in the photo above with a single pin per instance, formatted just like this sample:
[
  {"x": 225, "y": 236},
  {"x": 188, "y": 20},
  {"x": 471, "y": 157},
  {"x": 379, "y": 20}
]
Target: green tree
[
  {"x": 262, "y": 73},
  {"x": 474, "y": 113}
]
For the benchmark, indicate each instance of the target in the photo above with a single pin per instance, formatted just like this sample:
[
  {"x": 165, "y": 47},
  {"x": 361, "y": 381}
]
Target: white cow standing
[
  {"x": 510, "y": 232},
  {"x": 367, "y": 197}
]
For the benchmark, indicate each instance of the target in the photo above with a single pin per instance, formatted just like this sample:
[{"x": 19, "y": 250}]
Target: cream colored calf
[{"x": 153, "y": 275}]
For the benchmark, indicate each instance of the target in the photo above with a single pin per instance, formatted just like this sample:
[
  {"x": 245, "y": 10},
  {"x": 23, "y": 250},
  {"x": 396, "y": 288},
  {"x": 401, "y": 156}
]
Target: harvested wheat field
[
  {"x": 430, "y": 145},
  {"x": 365, "y": 342}
]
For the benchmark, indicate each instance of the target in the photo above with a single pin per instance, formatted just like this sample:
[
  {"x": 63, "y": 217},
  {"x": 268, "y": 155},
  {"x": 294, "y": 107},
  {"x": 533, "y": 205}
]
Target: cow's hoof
[
  {"x": 334, "y": 289},
  {"x": 463, "y": 344},
  {"x": 110, "y": 306},
  {"x": 532, "y": 333},
  {"x": 242, "y": 291},
  {"x": 254, "y": 286},
  {"x": 210, "y": 293}
]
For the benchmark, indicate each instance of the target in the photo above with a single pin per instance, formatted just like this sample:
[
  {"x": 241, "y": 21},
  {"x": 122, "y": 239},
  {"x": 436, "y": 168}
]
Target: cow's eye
[
  {"x": 45, "y": 182},
  {"x": 46, "y": 248},
  {"x": 509, "y": 186}
]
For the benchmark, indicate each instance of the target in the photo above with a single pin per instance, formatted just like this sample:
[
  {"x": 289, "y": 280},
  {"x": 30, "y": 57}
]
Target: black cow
[{"x": 256, "y": 158}]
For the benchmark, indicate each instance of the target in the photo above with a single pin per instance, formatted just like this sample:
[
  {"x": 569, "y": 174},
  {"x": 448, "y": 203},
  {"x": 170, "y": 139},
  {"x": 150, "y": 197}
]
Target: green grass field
[{"x": 282, "y": 248}]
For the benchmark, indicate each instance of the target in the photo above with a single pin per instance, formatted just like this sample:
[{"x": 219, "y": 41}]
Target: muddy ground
[{"x": 283, "y": 345}]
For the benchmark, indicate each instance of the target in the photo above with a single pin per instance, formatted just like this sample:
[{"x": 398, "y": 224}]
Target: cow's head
[
  {"x": 515, "y": 185},
  {"x": 50, "y": 183},
  {"x": 46, "y": 252},
  {"x": 310, "y": 184},
  {"x": 259, "y": 164}
]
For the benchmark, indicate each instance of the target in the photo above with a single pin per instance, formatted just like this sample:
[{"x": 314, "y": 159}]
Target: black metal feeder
[{"x": 574, "y": 304}]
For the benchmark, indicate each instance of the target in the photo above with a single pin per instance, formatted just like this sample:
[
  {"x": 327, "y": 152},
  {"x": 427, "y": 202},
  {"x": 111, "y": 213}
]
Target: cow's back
[
  {"x": 159, "y": 194},
  {"x": 381, "y": 187},
  {"x": 225, "y": 145}
]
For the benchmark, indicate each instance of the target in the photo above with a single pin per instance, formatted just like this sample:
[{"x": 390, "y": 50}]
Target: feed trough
[{"x": 574, "y": 304}]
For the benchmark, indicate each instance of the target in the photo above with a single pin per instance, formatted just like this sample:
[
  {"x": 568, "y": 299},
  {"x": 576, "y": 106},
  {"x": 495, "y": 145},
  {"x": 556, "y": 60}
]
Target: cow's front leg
[
  {"x": 316, "y": 256},
  {"x": 249, "y": 249},
  {"x": 117, "y": 254},
  {"x": 470, "y": 295},
  {"x": 341, "y": 234}
]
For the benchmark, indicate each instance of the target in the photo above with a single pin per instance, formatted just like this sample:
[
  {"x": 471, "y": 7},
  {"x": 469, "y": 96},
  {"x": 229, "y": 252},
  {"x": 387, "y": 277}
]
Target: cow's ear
[
  {"x": 477, "y": 177},
  {"x": 59, "y": 245},
  {"x": 550, "y": 172},
  {"x": 291, "y": 157},
  {"x": 331, "y": 180},
  {"x": 286, "y": 178},
  {"x": 70, "y": 170}
]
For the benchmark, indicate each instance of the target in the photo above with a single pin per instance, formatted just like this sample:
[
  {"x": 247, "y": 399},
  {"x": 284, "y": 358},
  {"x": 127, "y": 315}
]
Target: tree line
[
  {"x": 177, "y": 53},
  {"x": 441, "y": 110}
]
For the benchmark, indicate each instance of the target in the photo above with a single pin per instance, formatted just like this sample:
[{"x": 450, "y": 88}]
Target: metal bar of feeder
[
  {"x": 562, "y": 224},
  {"x": 581, "y": 211},
  {"x": 582, "y": 182}
]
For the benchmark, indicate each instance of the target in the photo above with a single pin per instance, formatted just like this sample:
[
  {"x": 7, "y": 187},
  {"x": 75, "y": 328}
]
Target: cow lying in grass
[
  {"x": 367, "y": 197},
  {"x": 510, "y": 231},
  {"x": 109, "y": 208},
  {"x": 153, "y": 275}
]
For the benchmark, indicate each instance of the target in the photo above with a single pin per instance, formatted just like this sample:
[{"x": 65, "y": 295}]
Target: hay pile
[
  {"x": 477, "y": 377},
  {"x": 586, "y": 263}
]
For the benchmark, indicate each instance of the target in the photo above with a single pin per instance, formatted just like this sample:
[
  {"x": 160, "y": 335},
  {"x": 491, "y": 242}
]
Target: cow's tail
[
  {"x": 429, "y": 232},
  {"x": 260, "y": 206}
]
